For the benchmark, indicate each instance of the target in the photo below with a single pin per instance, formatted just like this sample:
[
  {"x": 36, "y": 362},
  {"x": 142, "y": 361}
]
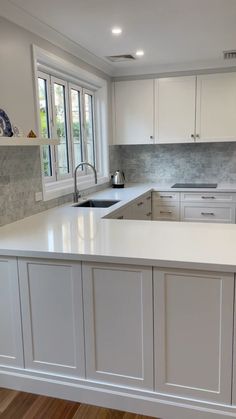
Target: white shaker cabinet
[
  {"x": 193, "y": 323},
  {"x": 52, "y": 316},
  {"x": 175, "y": 109},
  {"x": 11, "y": 347},
  {"x": 118, "y": 324},
  {"x": 133, "y": 103},
  {"x": 216, "y": 107}
]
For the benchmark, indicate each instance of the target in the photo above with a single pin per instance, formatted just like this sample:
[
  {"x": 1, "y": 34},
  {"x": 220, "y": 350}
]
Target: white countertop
[{"x": 81, "y": 234}]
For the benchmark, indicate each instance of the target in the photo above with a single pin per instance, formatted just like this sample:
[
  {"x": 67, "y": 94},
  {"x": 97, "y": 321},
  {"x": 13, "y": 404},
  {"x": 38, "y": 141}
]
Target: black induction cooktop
[{"x": 194, "y": 185}]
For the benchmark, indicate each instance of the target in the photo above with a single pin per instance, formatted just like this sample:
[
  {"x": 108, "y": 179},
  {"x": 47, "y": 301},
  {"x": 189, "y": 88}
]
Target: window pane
[
  {"x": 89, "y": 128},
  {"x": 44, "y": 125},
  {"x": 63, "y": 156},
  {"x": 76, "y": 125}
]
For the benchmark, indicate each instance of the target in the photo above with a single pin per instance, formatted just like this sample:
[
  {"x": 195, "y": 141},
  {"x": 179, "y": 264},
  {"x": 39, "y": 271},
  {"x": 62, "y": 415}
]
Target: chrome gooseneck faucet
[{"x": 76, "y": 194}]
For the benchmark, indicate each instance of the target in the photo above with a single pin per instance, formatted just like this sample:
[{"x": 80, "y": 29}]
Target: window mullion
[
  {"x": 53, "y": 124},
  {"x": 84, "y": 137}
]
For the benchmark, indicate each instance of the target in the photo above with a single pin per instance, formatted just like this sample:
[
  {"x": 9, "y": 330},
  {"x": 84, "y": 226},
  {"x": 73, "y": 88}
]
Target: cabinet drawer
[
  {"x": 165, "y": 212},
  {"x": 207, "y": 197},
  {"x": 212, "y": 214},
  {"x": 165, "y": 197}
]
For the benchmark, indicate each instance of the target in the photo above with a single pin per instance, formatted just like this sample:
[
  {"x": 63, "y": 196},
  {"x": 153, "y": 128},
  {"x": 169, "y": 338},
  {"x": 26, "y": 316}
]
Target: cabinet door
[
  {"x": 193, "y": 324},
  {"x": 11, "y": 346},
  {"x": 118, "y": 324},
  {"x": 175, "y": 109},
  {"x": 216, "y": 107},
  {"x": 134, "y": 112},
  {"x": 51, "y": 297}
]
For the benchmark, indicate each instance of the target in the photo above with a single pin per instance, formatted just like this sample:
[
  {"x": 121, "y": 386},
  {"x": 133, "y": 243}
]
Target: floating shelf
[{"x": 25, "y": 141}]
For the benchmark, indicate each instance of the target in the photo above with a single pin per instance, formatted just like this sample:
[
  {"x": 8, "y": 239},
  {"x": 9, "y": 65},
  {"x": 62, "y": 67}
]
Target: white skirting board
[{"x": 159, "y": 406}]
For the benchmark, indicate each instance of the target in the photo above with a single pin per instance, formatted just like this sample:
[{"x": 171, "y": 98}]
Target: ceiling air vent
[
  {"x": 120, "y": 58},
  {"x": 230, "y": 55}
]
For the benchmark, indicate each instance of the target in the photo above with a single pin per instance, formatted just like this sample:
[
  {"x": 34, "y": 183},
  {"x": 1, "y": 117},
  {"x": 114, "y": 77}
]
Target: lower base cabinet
[
  {"x": 11, "y": 349},
  {"x": 52, "y": 316},
  {"x": 118, "y": 314},
  {"x": 193, "y": 323},
  {"x": 167, "y": 331}
]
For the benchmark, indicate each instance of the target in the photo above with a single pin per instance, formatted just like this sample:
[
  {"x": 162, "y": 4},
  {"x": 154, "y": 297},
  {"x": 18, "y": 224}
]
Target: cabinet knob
[
  {"x": 193, "y": 136},
  {"x": 197, "y": 136}
]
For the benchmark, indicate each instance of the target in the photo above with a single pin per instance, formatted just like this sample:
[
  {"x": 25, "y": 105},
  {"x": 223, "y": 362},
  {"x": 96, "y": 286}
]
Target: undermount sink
[{"x": 96, "y": 203}]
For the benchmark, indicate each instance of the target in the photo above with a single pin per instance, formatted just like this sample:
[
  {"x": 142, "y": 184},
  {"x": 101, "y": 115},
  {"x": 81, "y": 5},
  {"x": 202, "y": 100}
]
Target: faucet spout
[{"x": 76, "y": 194}]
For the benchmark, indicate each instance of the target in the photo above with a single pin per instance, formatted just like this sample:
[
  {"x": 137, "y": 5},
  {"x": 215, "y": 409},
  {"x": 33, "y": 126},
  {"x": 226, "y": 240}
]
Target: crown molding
[
  {"x": 178, "y": 68},
  {"x": 22, "y": 18}
]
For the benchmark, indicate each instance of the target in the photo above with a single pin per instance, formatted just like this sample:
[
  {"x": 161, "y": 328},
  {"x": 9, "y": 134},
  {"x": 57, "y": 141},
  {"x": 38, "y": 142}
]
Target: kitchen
[{"x": 125, "y": 305}]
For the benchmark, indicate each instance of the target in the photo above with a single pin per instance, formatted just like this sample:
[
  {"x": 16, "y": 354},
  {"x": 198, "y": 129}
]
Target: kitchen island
[{"x": 136, "y": 315}]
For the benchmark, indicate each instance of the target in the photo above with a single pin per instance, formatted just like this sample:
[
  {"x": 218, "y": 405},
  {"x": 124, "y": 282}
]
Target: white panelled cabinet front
[
  {"x": 118, "y": 324},
  {"x": 11, "y": 346},
  {"x": 134, "y": 112},
  {"x": 175, "y": 109},
  {"x": 193, "y": 323},
  {"x": 52, "y": 316},
  {"x": 216, "y": 107}
]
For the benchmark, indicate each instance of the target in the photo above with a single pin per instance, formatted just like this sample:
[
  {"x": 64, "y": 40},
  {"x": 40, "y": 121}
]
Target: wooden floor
[{"x": 17, "y": 405}]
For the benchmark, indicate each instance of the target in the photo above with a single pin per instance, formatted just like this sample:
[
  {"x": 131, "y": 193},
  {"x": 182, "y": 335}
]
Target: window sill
[{"x": 61, "y": 188}]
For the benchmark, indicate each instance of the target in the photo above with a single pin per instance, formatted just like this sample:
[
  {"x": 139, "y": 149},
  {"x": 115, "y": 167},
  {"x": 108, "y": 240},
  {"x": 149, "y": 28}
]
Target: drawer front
[
  {"x": 166, "y": 197},
  {"x": 210, "y": 214},
  {"x": 165, "y": 212},
  {"x": 207, "y": 197}
]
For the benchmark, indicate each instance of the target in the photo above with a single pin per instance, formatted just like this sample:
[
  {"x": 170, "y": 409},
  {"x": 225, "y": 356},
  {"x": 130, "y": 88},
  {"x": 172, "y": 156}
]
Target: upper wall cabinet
[
  {"x": 216, "y": 107},
  {"x": 187, "y": 109},
  {"x": 175, "y": 109},
  {"x": 133, "y": 112}
]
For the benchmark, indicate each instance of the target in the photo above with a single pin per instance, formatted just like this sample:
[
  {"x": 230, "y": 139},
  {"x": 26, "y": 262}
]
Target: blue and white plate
[{"x": 5, "y": 125}]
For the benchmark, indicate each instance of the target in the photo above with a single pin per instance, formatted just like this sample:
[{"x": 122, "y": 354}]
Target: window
[
  {"x": 44, "y": 123},
  {"x": 66, "y": 112},
  {"x": 72, "y": 105}
]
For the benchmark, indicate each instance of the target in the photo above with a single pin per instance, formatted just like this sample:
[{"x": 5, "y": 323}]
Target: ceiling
[{"x": 174, "y": 34}]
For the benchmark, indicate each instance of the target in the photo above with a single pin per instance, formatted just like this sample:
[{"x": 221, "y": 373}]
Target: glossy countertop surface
[{"x": 73, "y": 233}]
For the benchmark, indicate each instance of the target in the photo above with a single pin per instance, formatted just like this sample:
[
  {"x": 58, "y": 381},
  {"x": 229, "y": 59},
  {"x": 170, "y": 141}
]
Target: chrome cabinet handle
[
  {"x": 193, "y": 136},
  {"x": 166, "y": 196},
  {"x": 148, "y": 214},
  {"x": 197, "y": 136},
  {"x": 208, "y": 197},
  {"x": 149, "y": 197},
  {"x": 165, "y": 212},
  {"x": 139, "y": 204},
  {"x": 121, "y": 217},
  {"x": 207, "y": 213}
]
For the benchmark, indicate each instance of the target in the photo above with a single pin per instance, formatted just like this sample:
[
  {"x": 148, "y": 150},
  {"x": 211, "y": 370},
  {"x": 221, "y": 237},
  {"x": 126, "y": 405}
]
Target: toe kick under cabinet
[{"x": 217, "y": 207}]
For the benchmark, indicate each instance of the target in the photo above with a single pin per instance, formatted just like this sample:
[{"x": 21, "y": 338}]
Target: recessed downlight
[
  {"x": 116, "y": 30},
  {"x": 139, "y": 53}
]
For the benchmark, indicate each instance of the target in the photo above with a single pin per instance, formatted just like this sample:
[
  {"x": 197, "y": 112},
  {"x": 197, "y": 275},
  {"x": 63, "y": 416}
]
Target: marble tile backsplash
[
  {"x": 20, "y": 171},
  {"x": 20, "y": 178},
  {"x": 167, "y": 163}
]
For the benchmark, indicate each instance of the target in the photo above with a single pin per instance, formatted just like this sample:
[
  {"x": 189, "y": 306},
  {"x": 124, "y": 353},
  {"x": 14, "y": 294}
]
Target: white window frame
[
  {"x": 90, "y": 93},
  {"x": 49, "y": 64},
  {"x": 55, "y": 80},
  {"x": 46, "y": 77},
  {"x": 79, "y": 89}
]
